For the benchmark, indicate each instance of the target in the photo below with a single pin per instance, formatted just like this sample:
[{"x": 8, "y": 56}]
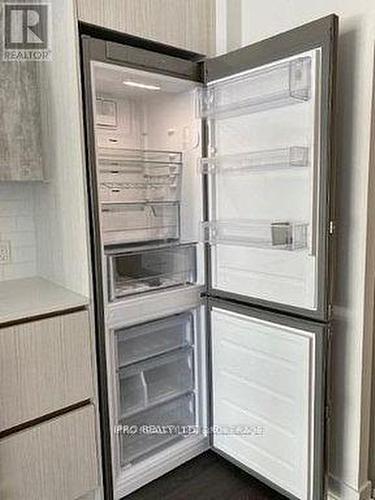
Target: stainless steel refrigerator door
[
  {"x": 268, "y": 171},
  {"x": 268, "y": 396}
]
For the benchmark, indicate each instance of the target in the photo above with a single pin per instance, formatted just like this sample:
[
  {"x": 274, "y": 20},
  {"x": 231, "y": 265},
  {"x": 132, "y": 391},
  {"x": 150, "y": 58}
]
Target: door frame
[
  {"x": 322, "y": 34},
  {"x": 322, "y": 334}
]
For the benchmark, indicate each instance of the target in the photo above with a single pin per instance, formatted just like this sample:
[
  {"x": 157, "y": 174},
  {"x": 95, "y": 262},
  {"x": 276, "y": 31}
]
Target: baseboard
[{"x": 338, "y": 490}]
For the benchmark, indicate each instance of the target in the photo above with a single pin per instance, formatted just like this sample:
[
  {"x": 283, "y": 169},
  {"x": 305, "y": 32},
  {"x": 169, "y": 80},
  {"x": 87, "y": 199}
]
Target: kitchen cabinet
[
  {"x": 187, "y": 24},
  {"x": 21, "y": 157},
  {"x": 53, "y": 460},
  {"x": 45, "y": 366}
]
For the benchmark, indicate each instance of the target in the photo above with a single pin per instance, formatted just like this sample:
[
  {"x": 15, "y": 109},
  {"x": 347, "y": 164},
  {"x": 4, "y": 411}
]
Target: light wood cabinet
[
  {"x": 188, "y": 24},
  {"x": 56, "y": 460},
  {"x": 45, "y": 366},
  {"x": 21, "y": 156}
]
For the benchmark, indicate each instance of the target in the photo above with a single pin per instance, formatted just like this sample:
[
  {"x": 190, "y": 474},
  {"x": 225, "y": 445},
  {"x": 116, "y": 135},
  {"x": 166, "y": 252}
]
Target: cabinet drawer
[
  {"x": 44, "y": 366},
  {"x": 56, "y": 460}
]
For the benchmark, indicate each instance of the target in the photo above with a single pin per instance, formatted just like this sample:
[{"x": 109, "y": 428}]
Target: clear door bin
[
  {"x": 278, "y": 235},
  {"x": 144, "y": 269},
  {"x": 156, "y": 428},
  {"x": 272, "y": 86},
  {"x": 138, "y": 222},
  {"x": 135, "y": 176},
  {"x": 140, "y": 342},
  {"x": 294, "y": 157},
  {"x": 154, "y": 381}
]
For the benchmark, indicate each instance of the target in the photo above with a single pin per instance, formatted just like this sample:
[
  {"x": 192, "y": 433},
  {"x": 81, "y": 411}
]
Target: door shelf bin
[
  {"x": 144, "y": 269},
  {"x": 154, "y": 338},
  {"x": 156, "y": 428},
  {"x": 258, "y": 234},
  {"x": 139, "y": 176},
  {"x": 159, "y": 379},
  {"x": 294, "y": 157},
  {"x": 274, "y": 86},
  {"x": 138, "y": 222}
]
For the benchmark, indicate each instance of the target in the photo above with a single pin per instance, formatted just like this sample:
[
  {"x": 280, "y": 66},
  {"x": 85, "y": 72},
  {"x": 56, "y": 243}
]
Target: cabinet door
[
  {"x": 21, "y": 128},
  {"x": 44, "y": 366},
  {"x": 269, "y": 110},
  {"x": 189, "y": 24},
  {"x": 268, "y": 397},
  {"x": 54, "y": 460}
]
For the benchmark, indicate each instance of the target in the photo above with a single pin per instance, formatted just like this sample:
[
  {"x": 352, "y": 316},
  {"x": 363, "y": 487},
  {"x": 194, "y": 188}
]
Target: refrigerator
[{"x": 211, "y": 205}]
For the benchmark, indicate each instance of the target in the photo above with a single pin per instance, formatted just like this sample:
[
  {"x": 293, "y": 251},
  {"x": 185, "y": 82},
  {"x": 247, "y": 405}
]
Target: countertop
[{"x": 25, "y": 299}]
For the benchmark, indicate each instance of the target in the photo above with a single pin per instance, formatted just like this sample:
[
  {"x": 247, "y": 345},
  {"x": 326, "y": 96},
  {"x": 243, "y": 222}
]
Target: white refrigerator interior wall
[{"x": 353, "y": 304}]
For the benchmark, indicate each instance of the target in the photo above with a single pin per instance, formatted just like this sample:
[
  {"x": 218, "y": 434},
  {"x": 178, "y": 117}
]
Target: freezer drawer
[
  {"x": 151, "y": 339},
  {"x": 152, "y": 430},
  {"x": 145, "y": 269},
  {"x": 159, "y": 379}
]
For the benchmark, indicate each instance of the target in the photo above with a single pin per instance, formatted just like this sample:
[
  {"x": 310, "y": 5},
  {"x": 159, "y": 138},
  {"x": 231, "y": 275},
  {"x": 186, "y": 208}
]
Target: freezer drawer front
[
  {"x": 268, "y": 398},
  {"x": 268, "y": 170}
]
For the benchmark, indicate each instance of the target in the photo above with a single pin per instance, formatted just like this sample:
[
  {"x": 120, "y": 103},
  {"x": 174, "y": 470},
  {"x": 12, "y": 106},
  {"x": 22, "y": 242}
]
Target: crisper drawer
[
  {"x": 45, "y": 366},
  {"x": 138, "y": 222},
  {"x": 145, "y": 269},
  {"x": 154, "y": 338},
  {"x": 159, "y": 379},
  {"x": 174, "y": 417}
]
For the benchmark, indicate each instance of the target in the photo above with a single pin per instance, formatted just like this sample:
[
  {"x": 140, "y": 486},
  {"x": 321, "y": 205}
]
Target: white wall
[
  {"x": 60, "y": 204},
  {"x": 355, "y": 276},
  {"x": 17, "y": 226}
]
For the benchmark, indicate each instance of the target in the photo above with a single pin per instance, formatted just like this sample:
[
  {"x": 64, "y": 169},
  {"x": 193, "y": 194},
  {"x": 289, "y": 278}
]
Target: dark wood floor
[{"x": 207, "y": 477}]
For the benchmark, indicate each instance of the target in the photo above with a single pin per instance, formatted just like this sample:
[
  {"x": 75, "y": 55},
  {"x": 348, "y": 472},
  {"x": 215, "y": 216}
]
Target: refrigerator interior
[
  {"x": 159, "y": 400},
  {"x": 156, "y": 370},
  {"x": 148, "y": 146},
  {"x": 147, "y": 158},
  {"x": 263, "y": 168}
]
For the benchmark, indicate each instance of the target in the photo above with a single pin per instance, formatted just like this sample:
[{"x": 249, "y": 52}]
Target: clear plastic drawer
[
  {"x": 154, "y": 338},
  {"x": 159, "y": 379},
  {"x": 144, "y": 269},
  {"x": 151, "y": 430}
]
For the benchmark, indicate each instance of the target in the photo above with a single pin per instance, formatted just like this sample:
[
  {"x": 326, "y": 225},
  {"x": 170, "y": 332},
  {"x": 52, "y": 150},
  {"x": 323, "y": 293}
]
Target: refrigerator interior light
[{"x": 140, "y": 85}]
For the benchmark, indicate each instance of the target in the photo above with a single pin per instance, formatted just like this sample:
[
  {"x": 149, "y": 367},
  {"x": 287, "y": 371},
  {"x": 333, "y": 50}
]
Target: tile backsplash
[{"x": 17, "y": 226}]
